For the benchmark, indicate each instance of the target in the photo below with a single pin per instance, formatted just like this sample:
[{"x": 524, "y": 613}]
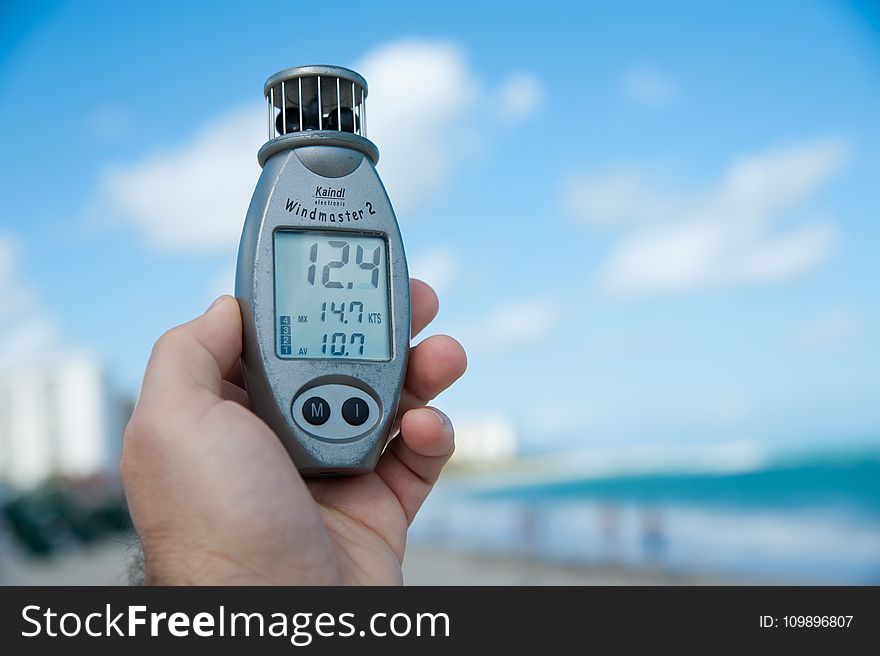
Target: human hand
[{"x": 216, "y": 499}]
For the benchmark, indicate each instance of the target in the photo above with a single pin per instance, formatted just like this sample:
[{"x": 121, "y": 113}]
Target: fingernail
[{"x": 443, "y": 419}]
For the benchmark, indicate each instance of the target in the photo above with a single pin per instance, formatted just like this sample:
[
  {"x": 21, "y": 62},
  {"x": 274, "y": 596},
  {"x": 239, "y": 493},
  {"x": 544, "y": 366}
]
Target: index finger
[{"x": 424, "y": 305}]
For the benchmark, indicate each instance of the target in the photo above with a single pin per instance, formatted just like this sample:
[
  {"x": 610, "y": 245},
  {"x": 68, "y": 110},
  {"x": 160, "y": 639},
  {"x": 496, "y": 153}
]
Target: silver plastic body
[{"x": 276, "y": 385}]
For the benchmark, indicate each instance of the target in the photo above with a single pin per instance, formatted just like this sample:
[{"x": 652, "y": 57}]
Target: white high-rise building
[
  {"x": 481, "y": 440},
  {"x": 58, "y": 417}
]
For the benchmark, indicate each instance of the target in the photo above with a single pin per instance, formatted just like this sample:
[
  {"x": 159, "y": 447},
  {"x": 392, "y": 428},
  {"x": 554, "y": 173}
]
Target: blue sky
[{"x": 650, "y": 226}]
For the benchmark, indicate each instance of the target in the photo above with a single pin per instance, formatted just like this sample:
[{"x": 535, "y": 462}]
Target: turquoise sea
[{"x": 805, "y": 519}]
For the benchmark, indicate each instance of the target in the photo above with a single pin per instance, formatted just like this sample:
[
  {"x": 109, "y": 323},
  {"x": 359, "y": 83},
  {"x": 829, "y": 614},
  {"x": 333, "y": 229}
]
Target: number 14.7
[{"x": 340, "y": 310}]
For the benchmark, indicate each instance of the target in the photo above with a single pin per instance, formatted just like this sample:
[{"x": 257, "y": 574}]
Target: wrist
[{"x": 196, "y": 566}]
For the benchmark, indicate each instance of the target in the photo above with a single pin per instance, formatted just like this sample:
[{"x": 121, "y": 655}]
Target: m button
[{"x": 316, "y": 411}]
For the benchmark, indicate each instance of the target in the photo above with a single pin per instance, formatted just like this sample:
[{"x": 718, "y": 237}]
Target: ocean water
[{"x": 812, "y": 520}]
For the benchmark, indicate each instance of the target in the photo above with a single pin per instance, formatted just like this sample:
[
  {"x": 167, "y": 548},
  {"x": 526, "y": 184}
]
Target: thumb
[{"x": 198, "y": 353}]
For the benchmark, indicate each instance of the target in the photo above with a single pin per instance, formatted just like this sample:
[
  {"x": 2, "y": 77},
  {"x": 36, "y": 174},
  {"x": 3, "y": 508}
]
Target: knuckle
[
  {"x": 139, "y": 436},
  {"x": 166, "y": 342}
]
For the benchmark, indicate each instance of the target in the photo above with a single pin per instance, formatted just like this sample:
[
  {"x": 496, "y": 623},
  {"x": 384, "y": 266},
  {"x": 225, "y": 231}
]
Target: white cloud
[
  {"x": 29, "y": 336},
  {"x": 788, "y": 256},
  {"x": 832, "y": 328},
  {"x": 778, "y": 178},
  {"x": 725, "y": 234},
  {"x": 437, "y": 267},
  {"x": 13, "y": 296},
  {"x": 649, "y": 88},
  {"x": 192, "y": 196},
  {"x": 559, "y": 419},
  {"x": 519, "y": 96},
  {"x": 618, "y": 195},
  {"x": 17, "y": 297},
  {"x": 424, "y": 111},
  {"x": 512, "y": 324},
  {"x": 727, "y": 457},
  {"x": 24, "y": 329},
  {"x": 109, "y": 123}
]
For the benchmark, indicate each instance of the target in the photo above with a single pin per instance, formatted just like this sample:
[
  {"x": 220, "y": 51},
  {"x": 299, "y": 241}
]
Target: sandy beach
[
  {"x": 107, "y": 564},
  {"x": 448, "y": 566}
]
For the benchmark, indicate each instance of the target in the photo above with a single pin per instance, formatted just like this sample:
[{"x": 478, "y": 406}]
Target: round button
[
  {"x": 316, "y": 411},
  {"x": 355, "y": 411}
]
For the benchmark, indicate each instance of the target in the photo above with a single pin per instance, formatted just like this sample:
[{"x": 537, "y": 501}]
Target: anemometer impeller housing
[{"x": 322, "y": 278}]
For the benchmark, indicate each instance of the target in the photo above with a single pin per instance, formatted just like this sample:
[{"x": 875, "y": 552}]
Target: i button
[
  {"x": 355, "y": 411},
  {"x": 316, "y": 411}
]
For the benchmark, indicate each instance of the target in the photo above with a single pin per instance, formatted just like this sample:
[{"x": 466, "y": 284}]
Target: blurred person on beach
[
  {"x": 609, "y": 530},
  {"x": 653, "y": 533}
]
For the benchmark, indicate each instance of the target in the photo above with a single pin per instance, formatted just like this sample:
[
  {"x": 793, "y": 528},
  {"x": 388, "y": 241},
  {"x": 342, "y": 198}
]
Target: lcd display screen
[{"x": 331, "y": 295}]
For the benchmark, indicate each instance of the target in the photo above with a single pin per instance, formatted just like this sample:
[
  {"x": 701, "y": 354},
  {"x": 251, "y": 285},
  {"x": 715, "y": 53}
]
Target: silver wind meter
[{"x": 322, "y": 278}]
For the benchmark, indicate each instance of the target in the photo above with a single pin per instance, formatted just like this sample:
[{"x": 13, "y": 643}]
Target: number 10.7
[{"x": 337, "y": 343}]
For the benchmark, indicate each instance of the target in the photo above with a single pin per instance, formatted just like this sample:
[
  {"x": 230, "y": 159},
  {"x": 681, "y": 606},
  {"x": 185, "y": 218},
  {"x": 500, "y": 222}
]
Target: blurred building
[
  {"x": 59, "y": 416},
  {"x": 484, "y": 440}
]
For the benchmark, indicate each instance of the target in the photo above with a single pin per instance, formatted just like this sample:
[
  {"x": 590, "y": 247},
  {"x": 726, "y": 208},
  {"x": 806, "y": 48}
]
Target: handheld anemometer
[{"x": 322, "y": 279}]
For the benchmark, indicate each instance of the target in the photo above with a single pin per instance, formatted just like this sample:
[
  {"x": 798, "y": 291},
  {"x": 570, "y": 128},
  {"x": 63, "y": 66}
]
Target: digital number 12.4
[{"x": 371, "y": 265}]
